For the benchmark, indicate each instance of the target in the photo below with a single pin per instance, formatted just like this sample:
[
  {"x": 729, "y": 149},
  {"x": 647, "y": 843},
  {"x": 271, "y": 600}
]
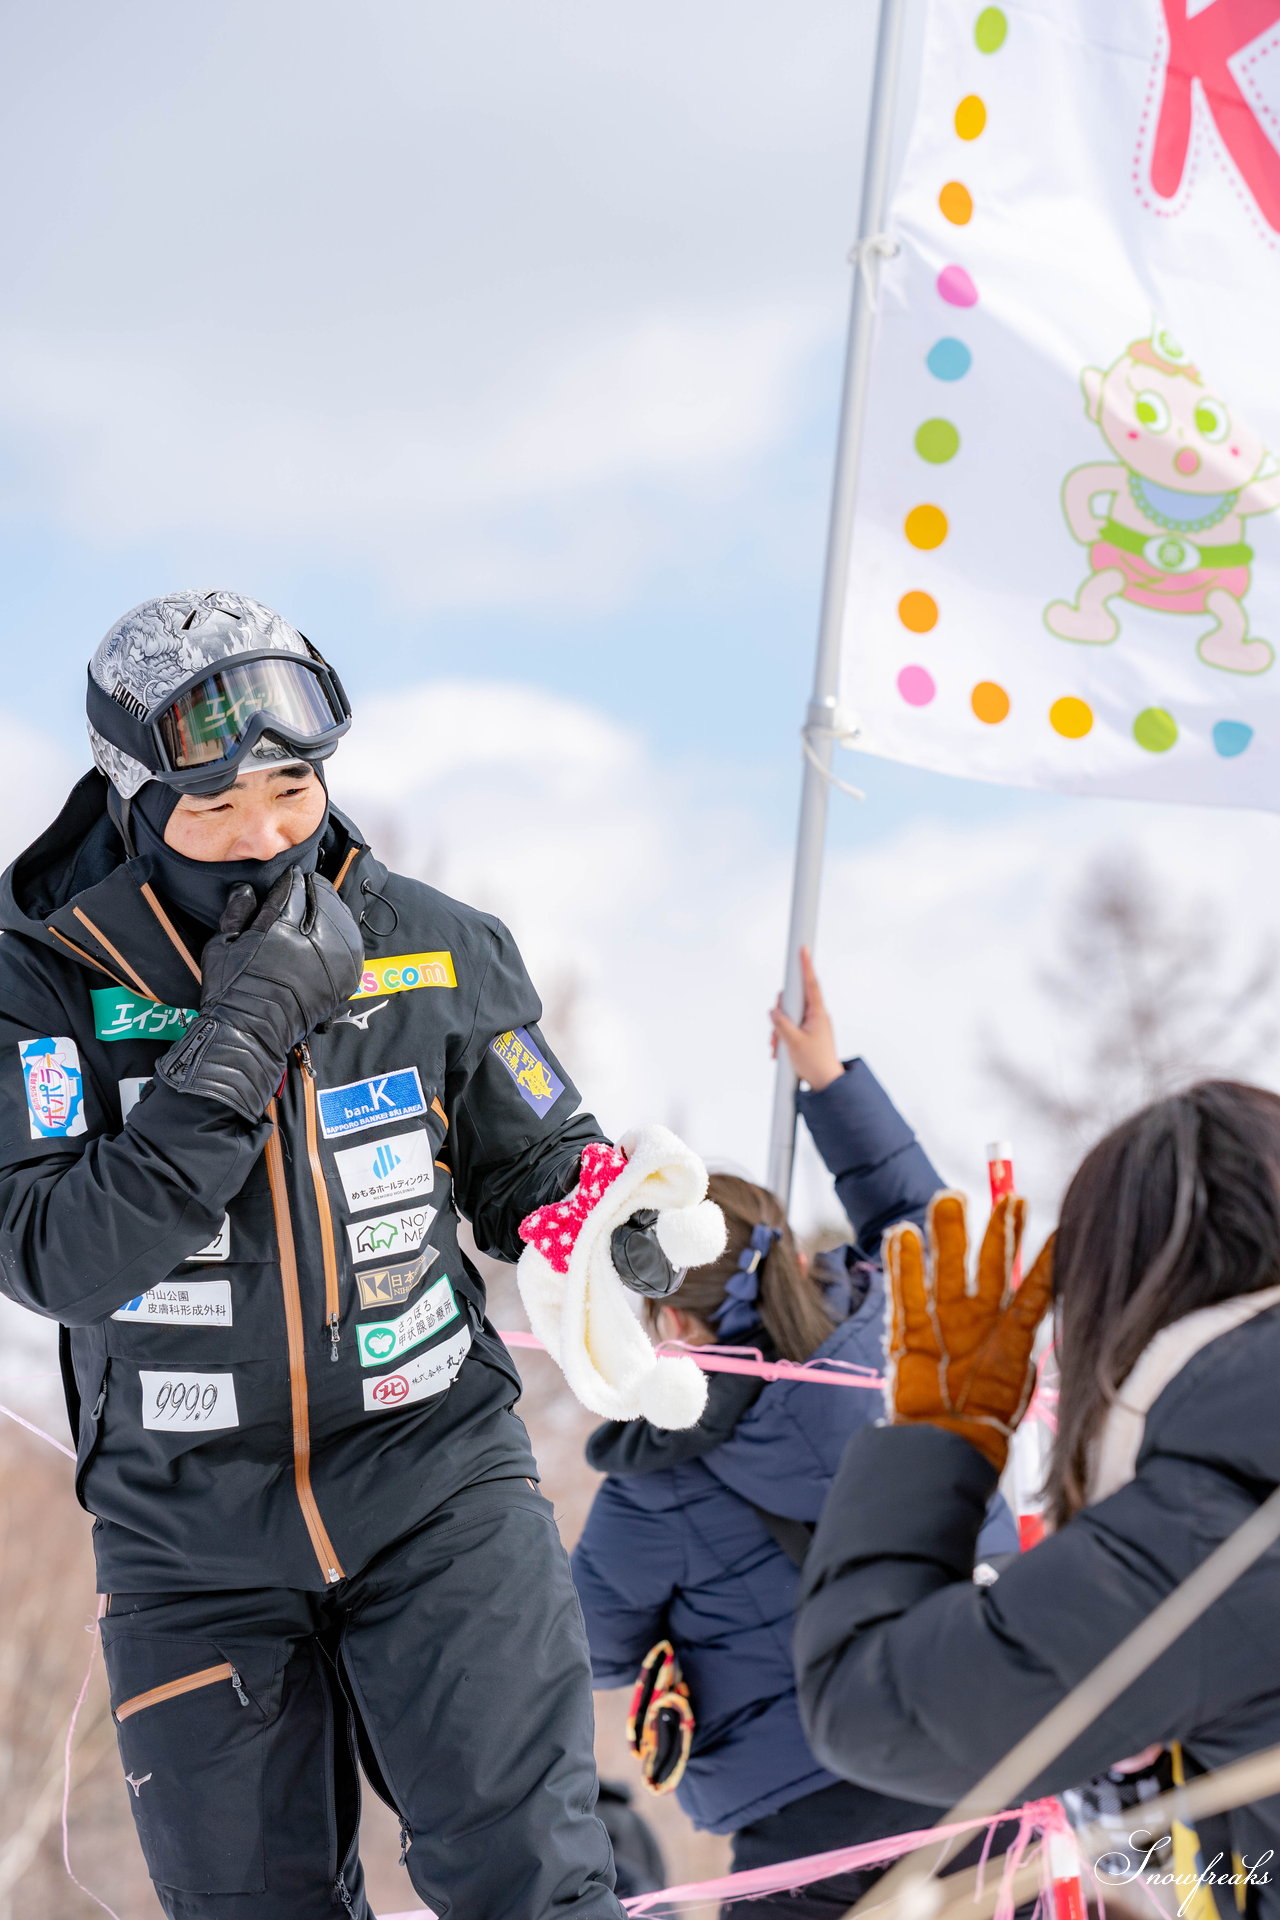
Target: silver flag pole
[{"x": 819, "y": 732}]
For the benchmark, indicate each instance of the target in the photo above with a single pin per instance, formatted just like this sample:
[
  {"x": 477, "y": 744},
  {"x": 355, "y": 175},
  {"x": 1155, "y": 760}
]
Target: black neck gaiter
[{"x": 199, "y": 888}]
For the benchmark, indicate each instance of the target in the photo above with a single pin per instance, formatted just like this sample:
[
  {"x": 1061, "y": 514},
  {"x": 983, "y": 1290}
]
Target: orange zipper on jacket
[
  {"x": 328, "y": 1247},
  {"x": 330, "y": 1565},
  {"x": 189, "y": 1683}
]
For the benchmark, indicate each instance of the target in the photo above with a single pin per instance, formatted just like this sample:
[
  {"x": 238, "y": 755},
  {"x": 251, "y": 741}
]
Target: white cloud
[
  {"x": 483, "y": 296},
  {"x": 640, "y": 890}
]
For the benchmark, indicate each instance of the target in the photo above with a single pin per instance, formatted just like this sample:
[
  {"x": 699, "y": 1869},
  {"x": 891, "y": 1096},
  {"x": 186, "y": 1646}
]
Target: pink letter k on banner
[{"x": 1199, "y": 49}]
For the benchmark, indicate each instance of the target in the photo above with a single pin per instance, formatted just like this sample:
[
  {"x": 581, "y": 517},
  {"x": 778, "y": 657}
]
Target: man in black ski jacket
[{"x": 249, "y": 1080}]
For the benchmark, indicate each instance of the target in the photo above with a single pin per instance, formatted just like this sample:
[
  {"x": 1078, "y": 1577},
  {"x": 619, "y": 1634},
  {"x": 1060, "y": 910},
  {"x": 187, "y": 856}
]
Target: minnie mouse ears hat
[{"x": 577, "y": 1304}]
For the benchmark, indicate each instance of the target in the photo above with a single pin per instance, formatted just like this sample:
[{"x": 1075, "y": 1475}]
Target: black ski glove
[
  {"x": 271, "y": 975},
  {"x": 639, "y": 1261}
]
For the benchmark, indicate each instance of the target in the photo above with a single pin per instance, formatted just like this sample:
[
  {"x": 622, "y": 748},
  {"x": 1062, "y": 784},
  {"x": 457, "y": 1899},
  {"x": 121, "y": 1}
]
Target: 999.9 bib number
[{"x": 188, "y": 1402}]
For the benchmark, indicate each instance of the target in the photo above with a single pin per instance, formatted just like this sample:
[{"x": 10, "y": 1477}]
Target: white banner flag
[{"x": 1066, "y": 565}]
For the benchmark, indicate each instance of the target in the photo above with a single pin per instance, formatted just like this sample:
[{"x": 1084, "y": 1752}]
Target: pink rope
[
  {"x": 826, "y": 1373},
  {"x": 66, "y": 1768},
  {"x": 1045, "y": 1817},
  {"x": 38, "y": 1431}
]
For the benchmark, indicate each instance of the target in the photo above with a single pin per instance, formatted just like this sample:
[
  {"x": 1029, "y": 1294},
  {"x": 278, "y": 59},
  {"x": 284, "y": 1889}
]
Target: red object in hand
[
  {"x": 1030, "y": 1531},
  {"x": 1000, "y": 1173}
]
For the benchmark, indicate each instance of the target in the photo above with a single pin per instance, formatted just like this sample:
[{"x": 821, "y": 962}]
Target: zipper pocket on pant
[{"x": 189, "y": 1683}]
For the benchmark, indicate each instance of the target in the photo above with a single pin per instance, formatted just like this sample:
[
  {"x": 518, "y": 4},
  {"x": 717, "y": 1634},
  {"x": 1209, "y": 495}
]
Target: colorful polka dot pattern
[
  {"x": 937, "y": 441},
  {"x": 1071, "y": 718}
]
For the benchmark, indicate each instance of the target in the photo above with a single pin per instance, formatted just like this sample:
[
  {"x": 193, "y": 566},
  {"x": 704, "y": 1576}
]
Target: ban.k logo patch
[{"x": 369, "y": 1103}]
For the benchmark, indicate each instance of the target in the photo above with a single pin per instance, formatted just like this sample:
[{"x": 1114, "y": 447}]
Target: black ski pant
[
  {"x": 454, "y": 1667},
  {"x": 840, "y": 1815},
  {"x": 843, "y": 1815}
]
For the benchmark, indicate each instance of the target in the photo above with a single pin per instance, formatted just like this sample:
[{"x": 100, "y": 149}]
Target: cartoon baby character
[{"x": 1170, "y": 534}]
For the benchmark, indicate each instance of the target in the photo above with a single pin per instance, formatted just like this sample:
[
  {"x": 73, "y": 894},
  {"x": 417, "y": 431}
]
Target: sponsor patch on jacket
[
  {"x": 393, "y": 1233},
  {"x": 54, "y": 1087},
  {"x": 391, "y": 1286},
  {"x": 219, "y": 1248},
  {"x": 121, "y": 1015},
  {"x": 429, "y": 1374},
  {"x": 379, "y": 1172},
  {"x": 402, "y": 972},
  {"x": 383, "y": 1340},
  {"x": 538, "y": 1085},
  {"x": 369, "y": 1103},
  {"x": 181, "y": 1303},
  {"x": 131, "y": 1091},
  {"x": 188, "y": 1402}
]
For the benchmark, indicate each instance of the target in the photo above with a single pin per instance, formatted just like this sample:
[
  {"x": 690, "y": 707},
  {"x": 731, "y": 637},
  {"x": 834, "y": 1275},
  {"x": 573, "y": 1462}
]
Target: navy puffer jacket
[{"x": 675, "y": 1546}]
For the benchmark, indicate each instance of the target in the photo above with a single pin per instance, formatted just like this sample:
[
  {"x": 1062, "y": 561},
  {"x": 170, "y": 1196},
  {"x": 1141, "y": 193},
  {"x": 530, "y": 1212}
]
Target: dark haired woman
[
  {"x": 684, "y": 1540},
  {"x": 1166, "y": 1272}
]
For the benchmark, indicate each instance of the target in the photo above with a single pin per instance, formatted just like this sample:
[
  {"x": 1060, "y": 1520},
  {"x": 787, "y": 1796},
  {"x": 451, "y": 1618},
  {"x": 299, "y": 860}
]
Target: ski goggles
[{"x": 196, "y": 739}]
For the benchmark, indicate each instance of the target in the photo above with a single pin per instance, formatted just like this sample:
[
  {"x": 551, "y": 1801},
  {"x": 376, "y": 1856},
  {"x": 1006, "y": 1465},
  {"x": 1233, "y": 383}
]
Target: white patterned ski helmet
[{"x": 159, "y": 646}]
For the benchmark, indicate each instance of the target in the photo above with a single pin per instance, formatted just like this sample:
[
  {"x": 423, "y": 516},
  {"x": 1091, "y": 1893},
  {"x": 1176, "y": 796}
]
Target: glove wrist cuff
[{"x": 223, "y": 1062}]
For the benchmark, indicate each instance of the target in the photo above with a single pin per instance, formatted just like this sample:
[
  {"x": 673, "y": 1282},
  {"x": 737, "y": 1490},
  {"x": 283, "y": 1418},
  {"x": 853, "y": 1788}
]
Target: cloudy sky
[{"x": 498, "y": 347}]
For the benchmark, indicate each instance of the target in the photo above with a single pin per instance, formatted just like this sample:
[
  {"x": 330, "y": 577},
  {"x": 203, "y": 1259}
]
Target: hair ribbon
[{"x": 737, "y": 1312}]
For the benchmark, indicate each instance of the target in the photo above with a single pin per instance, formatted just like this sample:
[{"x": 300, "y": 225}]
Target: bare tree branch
[{"x": 1143, "y": 1000}]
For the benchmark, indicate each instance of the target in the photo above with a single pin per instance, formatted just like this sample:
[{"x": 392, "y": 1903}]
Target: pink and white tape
[{"x": 1043, "y": 1817}]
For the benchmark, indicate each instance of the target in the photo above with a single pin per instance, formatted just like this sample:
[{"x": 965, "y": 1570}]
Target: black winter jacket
[
  {"x": 914, "y": 1681},
  {"x": 276, "y": 1356}
]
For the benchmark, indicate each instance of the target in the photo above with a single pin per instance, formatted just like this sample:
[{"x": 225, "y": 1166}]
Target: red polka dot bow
[{"x": 554, "y": 1230}]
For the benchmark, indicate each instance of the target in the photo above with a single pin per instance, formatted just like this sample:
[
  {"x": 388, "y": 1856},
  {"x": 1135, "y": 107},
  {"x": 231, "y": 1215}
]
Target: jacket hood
[
  {"x": 785, "y": 1449},
  {"x": 76, "y": 852},
  {"x": 74, "y": 891},
  {"x": 775, "y": 1444}
]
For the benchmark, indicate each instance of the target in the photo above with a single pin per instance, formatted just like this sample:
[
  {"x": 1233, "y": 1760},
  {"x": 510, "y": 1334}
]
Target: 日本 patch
[
  {"x": 391, "y": 1286},
  {"x": 538, "y": 1085},
  {"x": 369, "y": 1103},
  {"x": 54, "y": 1087},
  {"x": 181, "y": 1303},
  {"x": 424, "y": 1377},
  {"x": 388, "y": 1170},
  {"x": 390, "y": 1233},
  {"x": 121, "y": 1015},
  {"x": 402, "y": 972},
  {"x": 383, "y": 1340}
]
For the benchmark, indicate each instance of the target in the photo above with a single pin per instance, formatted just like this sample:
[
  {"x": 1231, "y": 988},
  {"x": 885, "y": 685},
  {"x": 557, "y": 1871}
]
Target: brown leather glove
[{"x": 958, "y": 1351}]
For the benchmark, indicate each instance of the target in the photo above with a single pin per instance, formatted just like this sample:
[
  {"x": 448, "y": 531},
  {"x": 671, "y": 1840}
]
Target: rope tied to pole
[
  {"x": 865, "y": 256},
  {"x": 841, "y": 729}
]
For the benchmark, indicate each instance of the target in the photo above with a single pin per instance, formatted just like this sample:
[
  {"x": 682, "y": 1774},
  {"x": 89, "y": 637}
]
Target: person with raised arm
[
  {"x": 1165, "y": 1279},
  {"x": 688, "y": 1566}
]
